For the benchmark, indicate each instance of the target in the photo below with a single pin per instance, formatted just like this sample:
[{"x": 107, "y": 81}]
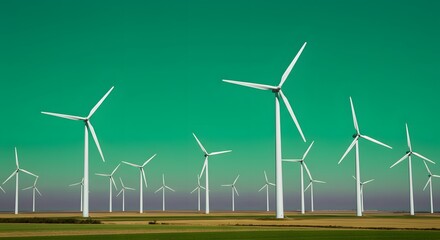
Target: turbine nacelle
[
  {"x": 276, "y": 90},
  {"x": 356, "y": 135}
]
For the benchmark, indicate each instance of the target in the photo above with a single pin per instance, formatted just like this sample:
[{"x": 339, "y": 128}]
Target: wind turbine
[
  {"x": 408, "y": 155},
  {"x": 141, "y": 176},
  {"x": 205, "y": 169},
  {"x": 362, "y": 191},
  {"x": 123, "y": 193},
  {"x": 278, "y": 93},
  {"x": 34, "y": 188},
  {"x": 430, "y": 175},
  {"x": 234, "y": 190},
  {"x": 111, "y": 181},
  {"x": 16, "y": 172},
  {"x": 356, "y": 137},
  {"x": 198, "y": 192},
  {"x": 266, "y": 185},
  {"x": 163, "y": 191},
  {"x": 312, "y": 181},
  {"x": 88, "y": 127},
  {"x": 301, "y": 161},
  {"x": 82, "y": 189}
]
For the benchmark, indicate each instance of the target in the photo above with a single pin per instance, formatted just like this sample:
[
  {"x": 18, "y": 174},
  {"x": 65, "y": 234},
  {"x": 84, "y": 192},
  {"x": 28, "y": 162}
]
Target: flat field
[{"x": 226, "y": 225}]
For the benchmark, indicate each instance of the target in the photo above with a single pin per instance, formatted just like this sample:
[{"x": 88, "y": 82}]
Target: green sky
[{"x": 166, "y": 60}]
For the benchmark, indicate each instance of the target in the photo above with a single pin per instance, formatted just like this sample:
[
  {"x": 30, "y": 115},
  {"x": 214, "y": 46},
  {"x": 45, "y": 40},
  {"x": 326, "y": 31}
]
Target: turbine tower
[
  {"x": 430, "y": 176},
  {"x": 408, "y": 155},
  {"x": 362, "y": 191},
  {"x": 123, "y": 193},
  {"x": 198, "y": 192},
  {"x": 111, "y": 181},
  {"x": 88, "y": 127},
  {"x": 356, "y": 137},
  {"x": 234, "y": 190},
  {"x": 141, "y": 176},
  {"x": 301, "y": 161},
  {"x": 34, "y": 189},
  {"x": 163, "y": 191},
  {"x": 266, "y": 185},
  {"x": 82, "y": 189},
  {"x": 278, "y": 93},
  {"x": 312, "y": 181},
  {"x": 205, "y": 170},
  {"x": 16, "y": 173}
]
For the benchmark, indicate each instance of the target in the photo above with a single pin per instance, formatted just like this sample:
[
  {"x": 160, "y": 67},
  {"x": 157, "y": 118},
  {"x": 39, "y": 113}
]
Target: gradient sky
[{"x": 166, "y": 60}]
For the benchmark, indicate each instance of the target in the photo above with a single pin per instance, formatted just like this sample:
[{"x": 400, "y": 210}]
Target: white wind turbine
[
  {"x": 34, "y": 189},
  {"x": 408, "y": 155},
  {"x": 278, "y": 93},
  {"x": 356, "y": 137},
  {"x": 233, "y": 190},
  {"x": 111, "y": 181},
  {"x": 82, "y": 189},
  {"x": 123, "y": 193},
  {"x": 312, "y": 181},
  {"x": 16, "y": 172},
  {"x": 301, "y": 161},
  {"x": 205, "y": 170},
  {"x": 266, "y": 185},
  {"x": 163, "y": 191},
  {"x": 362, "y": 191},
  {"x": 430, "y": 176},
  {"x": 198, "y": 192},
  {"x": 141, "y": 176},
  {"x": 88, "y": 127}
]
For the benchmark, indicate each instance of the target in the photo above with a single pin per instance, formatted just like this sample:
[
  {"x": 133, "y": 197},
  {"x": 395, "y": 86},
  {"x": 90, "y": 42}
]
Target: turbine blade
[
  {"x": 2, "y": 190},
  {"x": 16, "y": 158},
  {"x": 318, "y": 181},
  {"x": 423, "y": 157},
  {"x": 308, "y": 186},
  {"x": 195, "y": 189},
  {"x": 307, "y": 170},
  {"x": 27, "y": 188},
  {"x": 25, "y": 171},
  {"x": 122, "y": 184},
  {"x": 368, "y": 181},
  {"x": 221, "y": 152},
  {"x": 115, "y": 169},
  {"x": 289, "y": 108},
  {"x": 292, "y": 160},
  {"x": 7, "y": 179},
  {"x": 38, "y": 191},
  {"x": 102, "y": 175},
  {"x": 200, "y": 144},
  {"x": 226, "y": 185},
  {"x": 427, "y": 168},
  {"x": 131, "y": 164},
  {"x": 251, "y": 85},
  {"x": 429, "y": 180},
  {"x": 163, "y": 179},
  {"x": 158, "y": 189},
  {"x": 202, "y": 188},
  {"x": 265, "y": 185},
  {"x": 74, "y": 184},
  {"x": 349, "y": 148},
  {"x": 99, "y": 103},
  {"x": 204, "y": 166},
  {"x": 354, "y": 177},
  {"x": 236, "y": 179},
  {"x": 113, "y": 181},
  {"x": 353, "y": 113},
  {"x": 408, "y": 138},
  {"x": 129, "y": 188},
  {"x": 95, "y": 138},
  {"x": 375, "y": 141},
  {"x": 265, "y": 176},
  {"x": 120, "y": 192},
  {"x": 146, "y": 162},
  {"x": 273, "y": 184},
  {"x": 235, "y": 189},
  {"x": 71, "y": 117},
  {"x": 289, "y": 68},
  {"x": 403, "y": 158},
  {"x": 307, "y": 151},
  {"x": 437, "y": 176},
  {"x": 170, "y": 188},
  {"x": 145, "y": 178}
]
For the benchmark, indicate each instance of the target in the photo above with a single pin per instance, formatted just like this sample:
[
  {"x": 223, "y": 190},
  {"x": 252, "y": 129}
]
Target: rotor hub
[
  {"x": 276, "y": 90},
  {"x": 408, "y": 152},
  {"x": 355, "y": 135}
]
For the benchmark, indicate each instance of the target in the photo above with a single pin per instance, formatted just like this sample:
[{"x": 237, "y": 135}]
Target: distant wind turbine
[
  {"x": 356, "y": 137},
  {"x": 362, "y": 191},
  {"x": 312, "y": 181},
  {"x": 34, "y": 188},
  {"x": 278, "y": 93},
  {"x": 408, "y": 155},
  {"x": 430, "y": 176},
  {"x": 16, "y": 172},
  {"x": 233, "y": 191},
  {"x": 88, "y": 127},
  {"x": 301, "y": 161},
  {"x": 141, "y": 176},
  {"x": 266, "y": 185},
  {"x": 82, "y": 189},
  {"x": 198, "y": 192},
  {"x": 123, "y": 188},
  {"x": 205, "y": 169},
  {"x": 163, "y": 191},
  {"x": 111, "y": 181}
]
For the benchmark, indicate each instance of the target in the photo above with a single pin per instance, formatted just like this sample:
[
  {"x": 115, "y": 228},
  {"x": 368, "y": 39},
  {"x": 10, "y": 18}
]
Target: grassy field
[{"x": 244, "y": 225}]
